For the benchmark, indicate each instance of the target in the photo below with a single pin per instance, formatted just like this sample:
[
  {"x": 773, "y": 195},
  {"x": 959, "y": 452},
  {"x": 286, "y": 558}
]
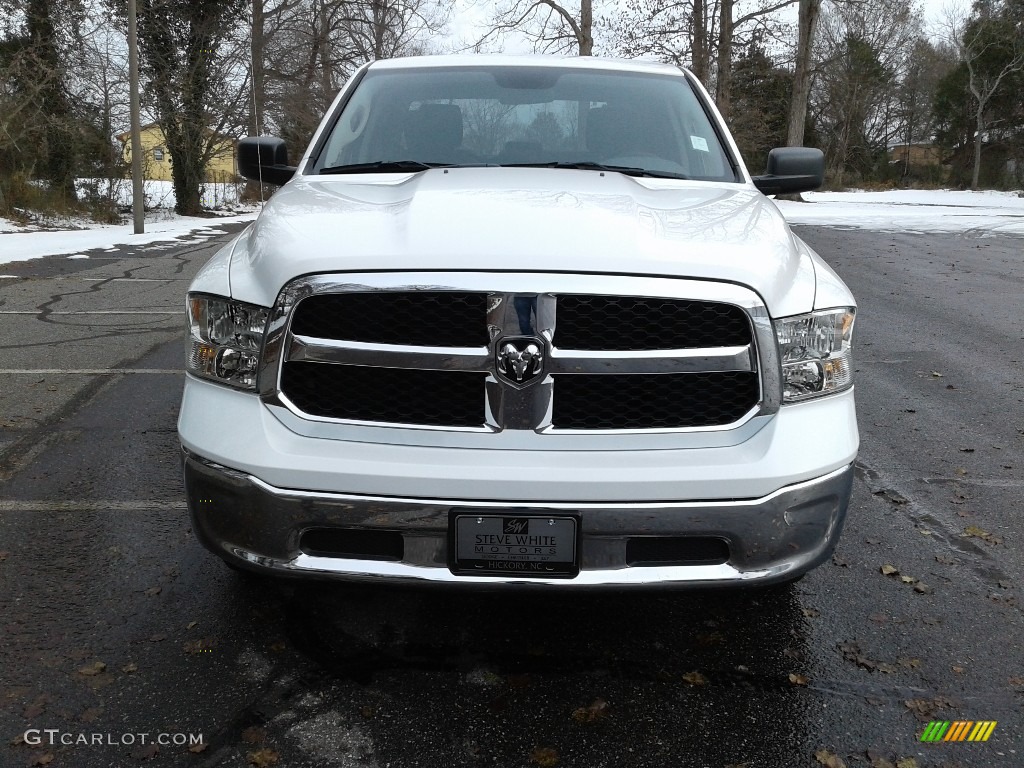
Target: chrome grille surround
[{"x": 525, "y": 409}]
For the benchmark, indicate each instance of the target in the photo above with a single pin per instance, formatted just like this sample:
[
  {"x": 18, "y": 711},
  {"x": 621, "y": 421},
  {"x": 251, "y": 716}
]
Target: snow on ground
[
  {"x": 20, "y": 242},
  {"x": 914, "y": 211},
  {"x": 911, "y": 210}
]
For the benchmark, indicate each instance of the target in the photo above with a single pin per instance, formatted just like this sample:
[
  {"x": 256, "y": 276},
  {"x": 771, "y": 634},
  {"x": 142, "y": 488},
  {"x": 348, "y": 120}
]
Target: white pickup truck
[{"x": 520, "y": 321}]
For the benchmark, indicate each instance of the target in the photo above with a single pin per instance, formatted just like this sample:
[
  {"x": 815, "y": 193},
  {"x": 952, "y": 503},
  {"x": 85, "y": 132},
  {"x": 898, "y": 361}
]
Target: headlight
[
  {"x": 225, "y": 338},
  {"x": 815, "y": 350}
]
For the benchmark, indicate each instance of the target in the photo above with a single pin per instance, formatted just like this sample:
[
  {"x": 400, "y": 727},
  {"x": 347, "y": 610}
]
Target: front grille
[
  {"x": 652, "y": 401},
  {"x": 635, "y": 323},
  {"x": 394, "y": 395},
  {"x": 418, "y": 318},
  {"x": 645, "y": 360}
]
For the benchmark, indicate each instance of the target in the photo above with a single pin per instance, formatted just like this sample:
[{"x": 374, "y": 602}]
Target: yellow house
[{"x": 156, "y": 160}]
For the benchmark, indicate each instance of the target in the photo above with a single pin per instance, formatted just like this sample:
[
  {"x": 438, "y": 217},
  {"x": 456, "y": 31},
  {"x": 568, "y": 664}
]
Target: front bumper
[{"x": 774, "y": 538}]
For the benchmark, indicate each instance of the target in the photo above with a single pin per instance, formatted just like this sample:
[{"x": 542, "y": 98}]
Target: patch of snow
[
  {"x": 911, "y": 211},
  {"x": 22, "y": 246},
  {"x": 49, "y": 236}
]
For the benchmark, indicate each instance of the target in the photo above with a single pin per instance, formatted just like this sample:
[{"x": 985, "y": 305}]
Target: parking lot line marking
[
  {"x": 96, "y": 312},
  {"x": 87, "y": 371},
  {"x": 44, "y": 505}
]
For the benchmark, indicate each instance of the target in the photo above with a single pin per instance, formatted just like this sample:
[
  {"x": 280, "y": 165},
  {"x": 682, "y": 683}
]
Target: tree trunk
[
  {"x": 979, "y": 137},
  {"x": 586, "y": 40},
  {"x": 808, "y": 23},
  {"x": 723, "y": 85},
  {"x": 257, "y": 103},
  {"x": 698, "y": 42}
]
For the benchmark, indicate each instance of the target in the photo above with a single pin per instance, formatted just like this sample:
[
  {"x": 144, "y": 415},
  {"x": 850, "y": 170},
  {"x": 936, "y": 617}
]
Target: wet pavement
[{"x": 118, "y": 630}]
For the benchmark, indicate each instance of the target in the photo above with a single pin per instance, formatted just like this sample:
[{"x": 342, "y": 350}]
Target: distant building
[
  {"x": 919, "y": 154},
  {"x": 156, "y": 160}
]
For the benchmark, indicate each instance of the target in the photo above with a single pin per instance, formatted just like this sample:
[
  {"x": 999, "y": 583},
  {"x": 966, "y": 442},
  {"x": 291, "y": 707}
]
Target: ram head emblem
[{"x": 520, "y": 360}]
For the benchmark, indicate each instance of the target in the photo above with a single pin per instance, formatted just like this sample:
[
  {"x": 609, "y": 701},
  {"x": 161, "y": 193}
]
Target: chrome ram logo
[{"x": 520, "y": 360}]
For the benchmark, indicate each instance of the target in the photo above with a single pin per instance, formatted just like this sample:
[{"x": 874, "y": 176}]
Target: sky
[{"x": 913, "y": 211}]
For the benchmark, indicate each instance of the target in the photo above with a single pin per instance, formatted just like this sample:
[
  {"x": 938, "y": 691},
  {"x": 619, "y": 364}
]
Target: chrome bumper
[{"x": 771, "y": 539}]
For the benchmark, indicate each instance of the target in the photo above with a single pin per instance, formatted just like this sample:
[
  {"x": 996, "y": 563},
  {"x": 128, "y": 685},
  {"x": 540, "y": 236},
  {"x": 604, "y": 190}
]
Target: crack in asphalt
[{"x": 987, "y": 571}]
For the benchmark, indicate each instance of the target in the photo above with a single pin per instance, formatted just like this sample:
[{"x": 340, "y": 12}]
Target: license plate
[{"x": 514, "y": 546}]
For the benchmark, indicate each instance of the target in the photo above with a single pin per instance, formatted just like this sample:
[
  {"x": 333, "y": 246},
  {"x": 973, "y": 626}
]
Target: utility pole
[{"x": 138, "y": 212}]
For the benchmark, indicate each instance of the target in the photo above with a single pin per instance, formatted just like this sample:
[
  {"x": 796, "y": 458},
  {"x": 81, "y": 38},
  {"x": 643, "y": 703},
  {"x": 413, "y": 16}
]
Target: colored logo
[{"x": 958, "y": 730}]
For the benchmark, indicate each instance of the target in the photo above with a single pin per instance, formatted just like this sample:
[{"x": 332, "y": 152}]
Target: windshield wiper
[
  {"x": 385, "y": 166},
  {"x": 587, "y": 166}
]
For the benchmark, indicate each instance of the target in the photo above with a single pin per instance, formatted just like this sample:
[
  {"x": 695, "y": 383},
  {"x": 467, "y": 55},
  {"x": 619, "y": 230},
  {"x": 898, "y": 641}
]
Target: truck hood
[{"x": 523, "y": 220}]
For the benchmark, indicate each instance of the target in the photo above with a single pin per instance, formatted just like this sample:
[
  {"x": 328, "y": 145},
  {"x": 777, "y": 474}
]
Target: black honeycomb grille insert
[
  {"x": 420, "y": 318},
  {"x": 394, "y": 395},
  {"x": 634, "y": 322},
  {"x": 652, "y": 401}
]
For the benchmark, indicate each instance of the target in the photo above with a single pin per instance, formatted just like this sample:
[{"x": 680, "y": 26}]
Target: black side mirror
[
  {"x": 791, "y": 170},
  {"x": 264, "y": 158}
]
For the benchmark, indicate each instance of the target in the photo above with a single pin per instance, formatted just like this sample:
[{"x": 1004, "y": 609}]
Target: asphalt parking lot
[{"x": 115, "y": 623}]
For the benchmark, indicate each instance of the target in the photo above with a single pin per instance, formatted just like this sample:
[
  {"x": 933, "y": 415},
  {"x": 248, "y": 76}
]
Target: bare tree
[
  {"x": 863, "y": 52},
  {"x": 190, "y": 60},
  {"x": 807, "y": 25},
  {"x": 991, "y": 46},
  {"x": 552, "y": 26}
]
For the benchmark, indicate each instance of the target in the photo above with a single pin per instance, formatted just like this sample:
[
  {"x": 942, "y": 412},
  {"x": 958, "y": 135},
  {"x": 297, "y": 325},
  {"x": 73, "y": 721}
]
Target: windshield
[{"x": 410, "y": 119}]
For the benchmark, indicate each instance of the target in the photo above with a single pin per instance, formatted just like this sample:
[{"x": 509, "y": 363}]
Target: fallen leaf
[
  {"x": 157, "y": 638},
  {"x": 840, "y": 561},
  {"x": 811, "y": 613},
  {"x": 595, "y": 711},
  {"x": 889, "y": 570},
  {"x": 878, "y": 618},
  {"x": 36, "y": 708},
  {"x": 828, "y": 759},
  {"x": 153, "y": 591},
  {"x": 204, "y": 645},
  {"x": 925, "y": 709},
  {"x": 3, "y": 556},
  {"x": 1017, "y": 682},
  {"x": 796, "y": 679},
  {"x": 909, "y": 663},
  {"x": 192, "y": 625},
  {"x": 93, "y": 669},
  {"x": 130, "y": 668},
  {"x": 91, "y": 715},
  {"x": 44, "y": 759},
  {"x": 254, "y": 735},
  {"x": 262, "y": 758},
  {"x": 945, "y": 560},
  {"x": 873, "y": 541},
  {"x": 923, "y": 589},
  {"x": 957, "y": 670},
  {"x": 906, "y": 762},
  {"x": 195, "y": 749},
  {"x": 695, "y": 678},
  {"x": 973, "y": 531},
  {"x": 545, "y": 757},
  {"x": 936, "y": 375},
  {"x": 147, "y": 752},
  {"x": 908, "y": 579},
  {"x": 881, "y": 762}
]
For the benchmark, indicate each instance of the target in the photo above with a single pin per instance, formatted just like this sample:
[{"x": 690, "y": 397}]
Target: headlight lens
[
  {"x": 816, "y": 352},
  {"x": 225, "y": 338}
]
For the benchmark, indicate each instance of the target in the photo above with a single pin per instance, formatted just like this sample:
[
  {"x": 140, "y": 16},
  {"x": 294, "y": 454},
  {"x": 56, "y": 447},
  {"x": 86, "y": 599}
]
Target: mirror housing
[
  {"x": 264, "y": 158},
  {"x": 791, "y": 170}
]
